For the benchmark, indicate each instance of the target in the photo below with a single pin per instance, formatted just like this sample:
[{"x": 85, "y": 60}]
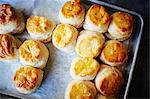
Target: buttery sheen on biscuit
[
  {"x": 97, "y": 19},
  {"x": 89, "y": 43},
  {"x": 64, "y": 37},
  {"x": 109, "y": 81},
  {"x": 11, "y": 21},
  {"x": 114, "y": 53},
  {"x": 80, "y": 90},
  {"x": 9, "y": 47},
  {"x": 84, "y": 68},
  {"x": 121, "y": 26},
  {"x": 27, "y": 79},
  {"x": 33, "y": 53},
  {"x": 72, "y": 12},
  {"x": 40, "y": 28}
]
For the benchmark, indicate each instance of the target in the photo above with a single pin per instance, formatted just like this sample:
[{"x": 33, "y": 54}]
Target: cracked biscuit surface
[
  {"x": 27, "y": 79},
  {"x": 40, "y": 28},
  {"x": 8, "y": 47},
  {"x": 33, "y": 53},
  {"x": 97, "y": 19},
  {"x": 72, "y": 12}
]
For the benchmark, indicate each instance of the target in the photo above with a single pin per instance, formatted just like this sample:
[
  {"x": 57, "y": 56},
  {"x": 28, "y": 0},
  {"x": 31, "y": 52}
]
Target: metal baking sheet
[{"x": 56, "y": 73}]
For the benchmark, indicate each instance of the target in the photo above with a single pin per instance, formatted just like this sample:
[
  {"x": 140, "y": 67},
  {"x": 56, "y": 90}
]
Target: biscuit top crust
[
  {"x": 72, "y": 9},
  {"x": 31, "y": 51},
  {"x": 111, "y": 81},
  {"x": 83, "y": 90},
  {"x": 38, "y": 25},
  {"x": 26, "y": 77},
  {"x": 85, "y": 66},
  {"x": 6, "y": 46},
  {"x": 7, "y": 13},
  {"x": 123, "y": 20},
  {"x": 115, "y": 51},
  {"x": 63, "y": 34},
  {"x": 98, "y": 15}
]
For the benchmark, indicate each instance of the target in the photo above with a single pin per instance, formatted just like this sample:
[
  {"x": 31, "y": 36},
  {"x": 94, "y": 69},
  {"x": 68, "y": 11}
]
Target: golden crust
[
  {"x": 39, "y": 25},
  {"x": 7, "y": 45},
  {"x": 83, "y": 90},
  {"x": 111, "y": 81},
  {"x": 63, "y": 34},
  {"x": 7, "y": 13},
  {"x": 98, "y": 15},
  {"x": 123, "y": 20},
  {"x": 30, "y": 50},
  {"x": 89, "y": 45},
  {"x": 114, "y": 51},
  {"x": 72, "y": 9},
  {"x": 27, "y": 77},
  {"x": 85, "y": 66}
]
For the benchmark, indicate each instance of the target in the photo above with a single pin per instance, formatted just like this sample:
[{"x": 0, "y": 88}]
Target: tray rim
[{"x": 117, "y": 7}]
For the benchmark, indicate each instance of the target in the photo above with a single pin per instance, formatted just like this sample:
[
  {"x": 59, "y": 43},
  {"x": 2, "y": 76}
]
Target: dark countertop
[{"x": 139, "y": 87}]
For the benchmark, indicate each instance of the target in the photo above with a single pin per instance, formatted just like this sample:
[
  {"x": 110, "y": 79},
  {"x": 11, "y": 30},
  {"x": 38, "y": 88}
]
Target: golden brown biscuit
[
  {"x": 80, "y": 90},
  {"x": 8, "y": 47},
  {"x": 121, "y": 26},
  {"x": 97, "y": 19},
  {"x": 84, "y": 68},
  {"x": 64, "y": 37},
  {"x": 11, "y": 21},
  {"x": 72, "y": 12},
  {"x": 27, "y": 79},
  {"x": 40, "y": 28},
  {"x": 33, "y": 53},
  {"x": 114, "y": 53},
  {"x": 109, "y": 80},
  {"x": 89, "y": 43}
]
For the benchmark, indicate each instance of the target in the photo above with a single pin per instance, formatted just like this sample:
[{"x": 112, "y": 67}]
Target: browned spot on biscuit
[
  {"x": 123, "y": 20},
  {"x": 7, "y": 13},
  {"x": 72, "y": 9},
  {"x": 115, "y": 52},
  {"x": 6, "y": 47},
  {"x": 26, "y": 77},
  {"x": 111, "y": 84},
  {"x": 98, "y": 15}
]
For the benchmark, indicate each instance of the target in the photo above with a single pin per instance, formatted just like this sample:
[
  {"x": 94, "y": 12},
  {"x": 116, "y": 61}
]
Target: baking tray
[{"x": 56, "y": 73}]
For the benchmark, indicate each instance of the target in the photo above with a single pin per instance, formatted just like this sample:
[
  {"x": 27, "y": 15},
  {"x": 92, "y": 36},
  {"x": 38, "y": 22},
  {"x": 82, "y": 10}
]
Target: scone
[
  {"x": 97, "y": 19},
  {"x": 11, "y": 21},
  {"x": 9, "y": 48},
  {"x": 109, "y": 81},
  {"x": 84, "y": 68},
  {"x": 72, "y": 12},
  {"x": 40, "y": 28},
  {"x": 80, "y": 90},
  {"x": 121, "y": 26},
  {"x": 27, "y": 79},
  {"x": 64, "y": 37},
  {"x": 33, "y": 53},
  {"x": 114, "y": 53},
  {"x": 89, "y": 43}
]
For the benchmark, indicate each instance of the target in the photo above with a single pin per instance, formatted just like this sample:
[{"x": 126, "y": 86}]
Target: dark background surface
[{"x": 139, "y": 87}]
